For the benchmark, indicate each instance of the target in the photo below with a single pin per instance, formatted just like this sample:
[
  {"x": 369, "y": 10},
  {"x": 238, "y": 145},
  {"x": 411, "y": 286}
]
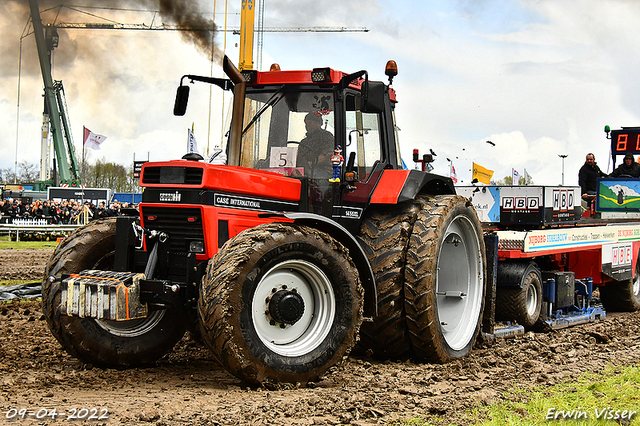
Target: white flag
[
  {"x": 515, "y": 177},
  {"x": 219, "y": 157},
  {"x": 454, "y": 176},
  {"x": 192, "y": 144},
  {"x": 92, "y": 140}
]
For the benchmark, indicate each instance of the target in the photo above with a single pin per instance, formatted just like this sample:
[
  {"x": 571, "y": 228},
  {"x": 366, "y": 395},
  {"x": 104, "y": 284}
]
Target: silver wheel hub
[
  {"x": 459, "y": 283},
  {"x": 293, "y": 308}
]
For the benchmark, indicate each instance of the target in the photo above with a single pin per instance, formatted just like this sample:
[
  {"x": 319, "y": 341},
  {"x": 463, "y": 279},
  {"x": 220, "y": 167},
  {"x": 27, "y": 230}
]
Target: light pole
[{"x": 563, "y": 156}]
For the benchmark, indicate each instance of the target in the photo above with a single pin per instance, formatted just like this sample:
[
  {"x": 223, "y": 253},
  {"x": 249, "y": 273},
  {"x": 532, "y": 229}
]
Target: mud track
[{"x": 188, "y": 387}]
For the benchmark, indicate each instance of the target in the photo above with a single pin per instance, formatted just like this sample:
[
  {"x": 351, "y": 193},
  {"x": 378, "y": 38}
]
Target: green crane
[{"x": 55, "y": 103}]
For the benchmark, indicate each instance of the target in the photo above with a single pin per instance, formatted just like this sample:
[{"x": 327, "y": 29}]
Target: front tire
[
  {"x": 101, "y": 342},
  {"x": 445, "y": 279},
  {"x": 280, "y": 303}
]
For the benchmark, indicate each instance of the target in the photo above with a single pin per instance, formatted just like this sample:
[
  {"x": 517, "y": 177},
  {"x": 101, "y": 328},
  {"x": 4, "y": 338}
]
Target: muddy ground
[{"x": 188, "y": 387}]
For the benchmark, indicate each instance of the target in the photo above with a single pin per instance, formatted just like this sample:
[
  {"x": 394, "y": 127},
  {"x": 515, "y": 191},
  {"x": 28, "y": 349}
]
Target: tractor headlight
[
  {"x": 321, "y": 75},
  {"x": 196, "y": 247}
]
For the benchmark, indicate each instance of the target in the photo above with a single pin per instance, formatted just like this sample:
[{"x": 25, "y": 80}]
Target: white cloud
[{"x": 538, "y": 78}]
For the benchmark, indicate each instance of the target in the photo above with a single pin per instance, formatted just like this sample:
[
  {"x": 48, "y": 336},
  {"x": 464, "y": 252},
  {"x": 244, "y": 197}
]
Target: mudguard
[
  {"x": 396, "y": 186},
  {"x": 357, "y": 254}
]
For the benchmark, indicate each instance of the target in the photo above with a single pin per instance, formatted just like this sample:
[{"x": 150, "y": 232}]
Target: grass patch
[
  {"x": 45, "y": 245},
  {"x": 593, "y": 399}
]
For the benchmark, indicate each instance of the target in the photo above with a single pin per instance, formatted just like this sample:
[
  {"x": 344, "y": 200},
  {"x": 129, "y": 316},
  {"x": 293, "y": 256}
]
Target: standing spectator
[
  {"x": 26, "y": 211},
  {"x": 46, "y": 211},
  {"x": 588, "y": 177},
  {"x": 4, "y": 208},
  {"x": 19, "y": 209},
  {"x": 64, "y": 214},
  {"x": 74, "y": 213},
  {"x": 114, "y": 209},
  {"x": 36, "y": 210},
  {"x": 12, "y": 209},
  {"x": 101, "y": 211}
]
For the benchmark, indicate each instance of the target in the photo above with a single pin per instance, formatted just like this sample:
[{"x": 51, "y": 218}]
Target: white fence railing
[{"x": 29, "y": 226}]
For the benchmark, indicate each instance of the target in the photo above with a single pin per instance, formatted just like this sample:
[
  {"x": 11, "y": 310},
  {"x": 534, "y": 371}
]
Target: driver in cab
[{"x": 315, "y": 150}]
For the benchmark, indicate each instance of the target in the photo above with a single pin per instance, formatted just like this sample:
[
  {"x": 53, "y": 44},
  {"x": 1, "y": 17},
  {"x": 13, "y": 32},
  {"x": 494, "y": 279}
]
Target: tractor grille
[
  {"x": 183, "y": 225},
  {"x": 173, "y": 175}
]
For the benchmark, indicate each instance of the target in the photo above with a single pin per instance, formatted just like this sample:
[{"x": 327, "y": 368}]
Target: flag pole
[{"x": 84, "y": 130}]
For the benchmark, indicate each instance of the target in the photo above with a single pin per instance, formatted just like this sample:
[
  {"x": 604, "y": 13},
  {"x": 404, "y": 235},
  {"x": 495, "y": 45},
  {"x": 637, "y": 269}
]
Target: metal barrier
[{"x": 31, "y": 227}]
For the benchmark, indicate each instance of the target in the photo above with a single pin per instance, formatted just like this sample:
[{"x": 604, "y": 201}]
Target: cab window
[
  {"x": 289, "y": 132},
  {"x": 363, "y": 137}
]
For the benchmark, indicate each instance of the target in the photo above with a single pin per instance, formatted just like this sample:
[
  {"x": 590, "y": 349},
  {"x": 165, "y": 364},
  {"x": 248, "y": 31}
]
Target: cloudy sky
[{"x": 537, "y": 78}]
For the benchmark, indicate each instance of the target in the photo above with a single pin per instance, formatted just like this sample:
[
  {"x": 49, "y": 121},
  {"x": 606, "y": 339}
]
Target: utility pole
[{"x": 563, "y": 156}]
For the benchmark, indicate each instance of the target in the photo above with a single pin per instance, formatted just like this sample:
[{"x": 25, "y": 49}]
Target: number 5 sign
[{"x": 283, "y": 157}]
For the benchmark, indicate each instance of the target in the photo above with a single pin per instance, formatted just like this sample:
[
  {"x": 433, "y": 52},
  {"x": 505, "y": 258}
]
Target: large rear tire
[
  {"x": 522, "y": 301},
  {"x": 384, "y": 236},
  {"x": 100, "y": 342},
  {"x": 280, "y": 303},
  {"x": 445, "y": 279}
]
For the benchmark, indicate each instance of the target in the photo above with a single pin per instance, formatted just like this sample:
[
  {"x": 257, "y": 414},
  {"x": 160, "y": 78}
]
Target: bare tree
[
  {"x": 28, "y": 172},
  {"x": 7, "y": 176}
]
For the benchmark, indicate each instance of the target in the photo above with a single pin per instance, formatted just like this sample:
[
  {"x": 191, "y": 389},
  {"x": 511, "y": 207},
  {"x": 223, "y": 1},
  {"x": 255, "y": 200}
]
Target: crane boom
[
  {"x": 234, "y": 30},
  {"x": 247, "y": 15},
  {"x": 67, "y": 166}
]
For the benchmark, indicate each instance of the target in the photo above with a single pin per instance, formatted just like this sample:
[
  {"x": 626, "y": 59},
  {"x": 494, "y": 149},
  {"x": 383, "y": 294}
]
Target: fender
[
  {"x": 396, "y": 186},
  {"x": 357, "y": 254}
]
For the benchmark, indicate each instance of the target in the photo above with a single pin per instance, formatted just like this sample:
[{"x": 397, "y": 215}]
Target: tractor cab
[{"x": 334, "y": 132}]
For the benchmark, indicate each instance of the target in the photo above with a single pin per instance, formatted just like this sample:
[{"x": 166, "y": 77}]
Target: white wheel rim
[
  {"x": 306, "y": 334},
  {"x": 132, "y": 328},
  {"x": 636, "y": 287},
  {"x": 532, "y": 300},
  {"x": 459, "y": 283}
]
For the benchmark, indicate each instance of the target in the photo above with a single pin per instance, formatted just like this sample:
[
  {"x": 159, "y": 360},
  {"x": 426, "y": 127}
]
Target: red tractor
[{"x": 277, "y": 256}]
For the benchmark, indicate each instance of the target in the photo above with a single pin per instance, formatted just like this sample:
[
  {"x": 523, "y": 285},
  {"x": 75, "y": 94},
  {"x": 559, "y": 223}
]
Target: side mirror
[
  {"x": 375, "y": 96},
  {"x": 182, "y": 98}
]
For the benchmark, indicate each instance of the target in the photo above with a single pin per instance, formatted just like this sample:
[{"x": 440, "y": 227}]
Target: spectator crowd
[{"x": 63, "y": 212}]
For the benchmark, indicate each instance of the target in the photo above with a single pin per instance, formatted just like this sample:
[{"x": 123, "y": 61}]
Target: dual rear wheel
[{"x": 429, "y": 259}]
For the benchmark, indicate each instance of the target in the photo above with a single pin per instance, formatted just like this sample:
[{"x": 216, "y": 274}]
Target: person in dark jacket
[
  {"x": 588, "y": 177},
  {"x": 101, "y": 211},
  {"x": 628, "y": 168}
]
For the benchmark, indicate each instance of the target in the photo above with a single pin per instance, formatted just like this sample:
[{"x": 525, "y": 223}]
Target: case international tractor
[{"x": 274, "y": 260}]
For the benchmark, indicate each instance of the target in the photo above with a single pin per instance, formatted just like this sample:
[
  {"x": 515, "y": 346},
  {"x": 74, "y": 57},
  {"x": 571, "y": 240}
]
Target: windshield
[{"x": 289, "y": 132}]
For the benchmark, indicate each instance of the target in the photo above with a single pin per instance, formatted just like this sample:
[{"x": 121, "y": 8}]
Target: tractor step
[{"x": 104, "y": 295}]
